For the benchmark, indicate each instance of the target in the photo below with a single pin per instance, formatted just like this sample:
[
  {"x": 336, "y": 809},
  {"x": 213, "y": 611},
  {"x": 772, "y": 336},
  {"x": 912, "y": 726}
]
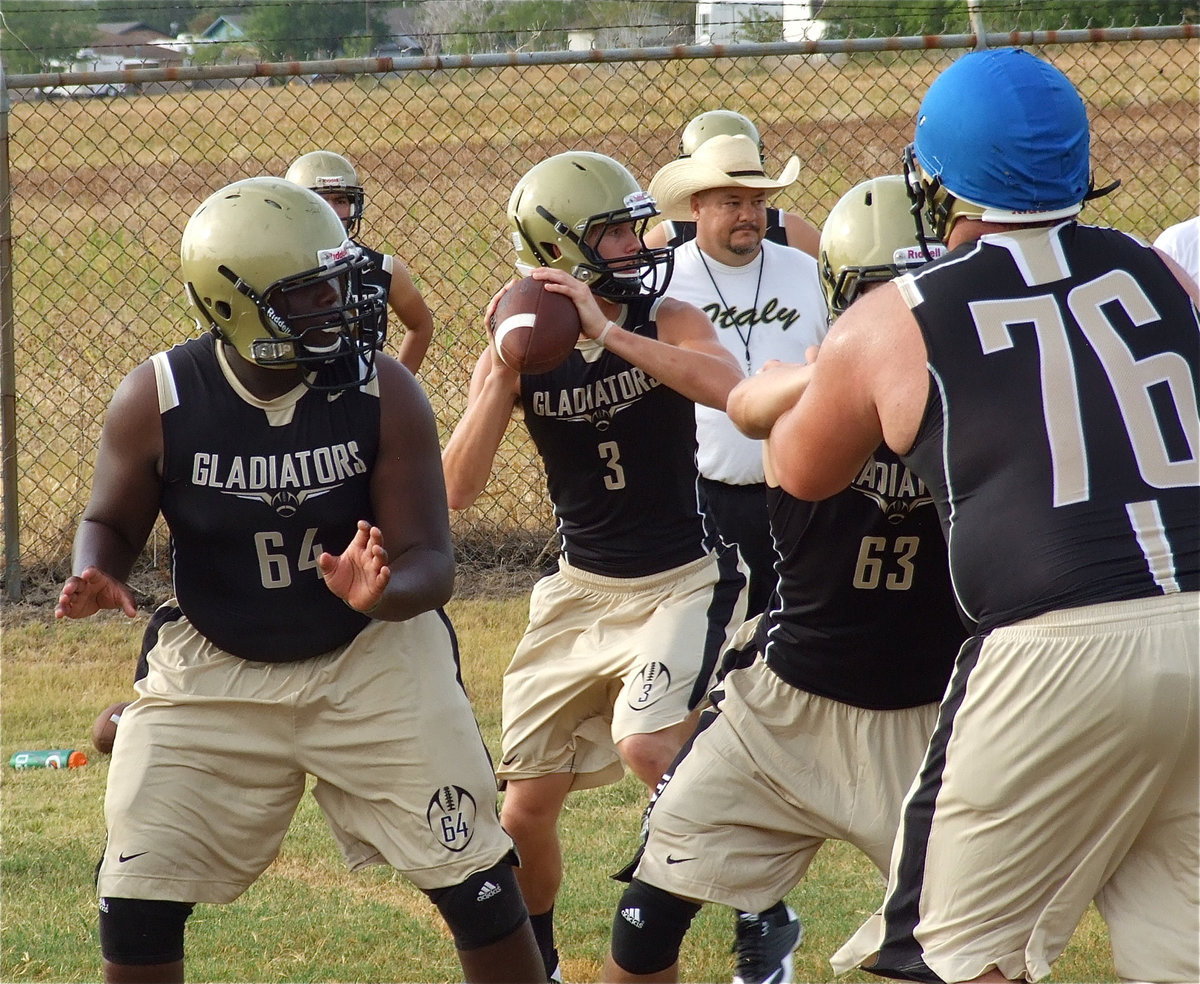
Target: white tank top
[{"x": 788, "y": 316}]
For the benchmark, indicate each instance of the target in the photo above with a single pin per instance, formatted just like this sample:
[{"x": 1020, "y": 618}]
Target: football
[
  {"x": 104, "y": 730},
  {"x": 535, "y": 329}
]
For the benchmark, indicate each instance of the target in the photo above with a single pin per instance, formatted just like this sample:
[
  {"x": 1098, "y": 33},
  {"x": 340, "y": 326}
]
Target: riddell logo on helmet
[
  {"x": 912, "y": 255},
  {"x": 338, "y": 254},
  {"x": 639, "y": 203}
]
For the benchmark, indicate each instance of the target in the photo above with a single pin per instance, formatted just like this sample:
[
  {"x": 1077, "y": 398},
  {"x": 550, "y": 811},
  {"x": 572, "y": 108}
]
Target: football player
[
  {"x": 624, "y": 636},
  {"x": 334, "y": 178},
  {"x": 297, "y": 467},
  {"x": 1041, "y": 380},
  {"x": 821, "y": 737}
]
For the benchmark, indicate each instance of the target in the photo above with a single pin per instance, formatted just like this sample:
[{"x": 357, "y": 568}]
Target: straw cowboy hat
[{"x": 720, "y": 162}]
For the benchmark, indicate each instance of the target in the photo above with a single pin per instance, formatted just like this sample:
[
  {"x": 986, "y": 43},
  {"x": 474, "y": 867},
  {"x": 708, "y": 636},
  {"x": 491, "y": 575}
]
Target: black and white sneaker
[{"x": 764, "y": 943}]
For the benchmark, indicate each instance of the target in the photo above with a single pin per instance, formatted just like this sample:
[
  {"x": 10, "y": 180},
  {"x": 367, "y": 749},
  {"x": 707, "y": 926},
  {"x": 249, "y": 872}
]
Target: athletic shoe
[
  {"x": 556, "y": 974},
  {"x": 764, "y": 946}
]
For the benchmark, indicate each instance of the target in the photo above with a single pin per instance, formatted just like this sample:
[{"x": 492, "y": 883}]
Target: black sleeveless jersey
[
  {"x": 1061, "y": 436},
  {"x": 378, "y": 275},
  {"x": 252, "y": 495},
  {"x": 776, "y": 231},
  {"x": 864, "y": 612},
  {"x": 619, "y": 450}
]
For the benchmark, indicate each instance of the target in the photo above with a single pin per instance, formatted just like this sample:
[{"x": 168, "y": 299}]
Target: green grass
[{"x": 307, "y": 919}]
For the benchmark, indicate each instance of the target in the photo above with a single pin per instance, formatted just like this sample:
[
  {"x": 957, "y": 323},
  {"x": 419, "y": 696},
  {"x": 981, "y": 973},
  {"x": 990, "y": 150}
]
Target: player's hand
[
  {"x": 489, "y": 321},
  {"x": 591, "y": 319},
  {"x": 360, "y": 573},
  {"x": 87, "y": 593}
]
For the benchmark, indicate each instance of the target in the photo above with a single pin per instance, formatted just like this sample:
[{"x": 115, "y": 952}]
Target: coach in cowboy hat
[
  {"x": 784, "y": 227},
  {"x": 721, "y": 161},
  {"x": 765, "y": 301}
]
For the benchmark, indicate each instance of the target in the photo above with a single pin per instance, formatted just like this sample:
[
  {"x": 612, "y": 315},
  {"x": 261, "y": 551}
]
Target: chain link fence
[{"x": 100, "y": 189}]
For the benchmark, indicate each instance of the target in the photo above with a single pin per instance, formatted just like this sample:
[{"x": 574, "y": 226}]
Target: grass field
[{"x": 308, "y": 919}]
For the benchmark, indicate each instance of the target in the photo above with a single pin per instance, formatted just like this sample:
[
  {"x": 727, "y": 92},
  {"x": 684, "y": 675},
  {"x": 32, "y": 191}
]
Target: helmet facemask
[
  {"x": 849, "y": 282},
  {"x": 931, "y": 201},
  {"x": 331, "y": 321},
  {"x": 645, "y": 272},
  {"x": 358, "y": 199},
  {"x": 869, "y": 238},
  {"x": 324, "y": 320},
  {"x": 559, "y": 211}
]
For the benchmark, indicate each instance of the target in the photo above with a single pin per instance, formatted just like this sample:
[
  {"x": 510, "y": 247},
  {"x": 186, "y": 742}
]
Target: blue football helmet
[{"x": 1001, "y": 136}]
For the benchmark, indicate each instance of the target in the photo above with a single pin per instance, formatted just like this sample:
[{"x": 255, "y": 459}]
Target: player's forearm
[
  {"x": 422, "y": 580},
  {"x": 100, "y": 545},
  {"x": 468, "y": 456},
  {"x": 756, "y": 403},
  {"x": 703, "y": 377},
  {"x": 415, "y": 344}
]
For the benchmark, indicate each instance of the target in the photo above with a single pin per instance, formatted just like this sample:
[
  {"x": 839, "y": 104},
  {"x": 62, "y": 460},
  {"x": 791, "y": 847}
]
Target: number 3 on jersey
[
  {"x": 273, "y": 566},
  {"x": 611, "y": 455}
]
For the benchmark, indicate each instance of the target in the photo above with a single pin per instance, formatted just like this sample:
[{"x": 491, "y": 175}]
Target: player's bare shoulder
[
  {"x": 398, "y": 389},
  {"x": 679, "y": 320},
  {"x": 135, "y": 404}
]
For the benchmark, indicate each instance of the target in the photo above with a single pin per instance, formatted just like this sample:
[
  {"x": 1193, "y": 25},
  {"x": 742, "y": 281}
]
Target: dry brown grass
[{"x": 102, "y": 189}]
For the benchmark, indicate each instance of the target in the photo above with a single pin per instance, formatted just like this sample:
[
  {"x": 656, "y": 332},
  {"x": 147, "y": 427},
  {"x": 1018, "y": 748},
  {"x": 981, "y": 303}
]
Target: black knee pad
[
  {"x": 649, "y": 927},
  {"x": 484, "y": 908},
  {"x": 142, "y": 931}
]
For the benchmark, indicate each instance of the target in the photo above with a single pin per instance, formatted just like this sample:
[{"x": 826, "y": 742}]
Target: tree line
[{"x": 34, "y": 34}]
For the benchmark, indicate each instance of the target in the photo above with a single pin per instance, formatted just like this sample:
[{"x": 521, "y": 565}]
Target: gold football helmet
[
  {"x": 323, "y": 171},
  {"x": 714, "y": 122},
  {"x": 560, "y": 203},
  {"x": 870, "y": 236},
  {"x": 269, "y": 269}
]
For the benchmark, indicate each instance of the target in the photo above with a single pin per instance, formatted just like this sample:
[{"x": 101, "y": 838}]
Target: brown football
[
  {"x": 535, "y": 329},
  {"x": 104, "y": 731}
]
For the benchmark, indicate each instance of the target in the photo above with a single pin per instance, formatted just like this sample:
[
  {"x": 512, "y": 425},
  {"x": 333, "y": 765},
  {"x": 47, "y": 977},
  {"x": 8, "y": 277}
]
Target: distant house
[
  {"x": 725, "y": 21},
  {"x": 654, "y": 32},
  {"x": 128, "y": 29},
  {"x": 224, "y": 30},
  {"x": 115, "y": 47},
  {"x": 399, "y": 46},
  {"x": 133, "y": 41}
]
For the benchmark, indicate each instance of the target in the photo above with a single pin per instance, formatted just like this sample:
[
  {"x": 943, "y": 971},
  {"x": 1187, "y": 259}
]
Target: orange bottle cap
[{"x": 76, "y": 759}]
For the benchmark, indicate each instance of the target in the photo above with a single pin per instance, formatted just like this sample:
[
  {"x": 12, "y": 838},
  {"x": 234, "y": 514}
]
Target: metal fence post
[
  {"x": 8, "y": 370},
  {"x": 975, "y": 13}
]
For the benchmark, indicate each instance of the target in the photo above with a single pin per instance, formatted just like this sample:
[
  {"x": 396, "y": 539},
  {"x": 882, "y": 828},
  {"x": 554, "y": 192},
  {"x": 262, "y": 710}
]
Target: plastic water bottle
[{"x": 51, "y": 758}]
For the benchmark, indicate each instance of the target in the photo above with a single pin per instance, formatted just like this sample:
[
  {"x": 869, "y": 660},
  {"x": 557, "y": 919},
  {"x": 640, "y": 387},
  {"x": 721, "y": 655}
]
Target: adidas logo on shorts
[
  {"x": 633, "y": 916},
  {"x": 488, "y": 890}
]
